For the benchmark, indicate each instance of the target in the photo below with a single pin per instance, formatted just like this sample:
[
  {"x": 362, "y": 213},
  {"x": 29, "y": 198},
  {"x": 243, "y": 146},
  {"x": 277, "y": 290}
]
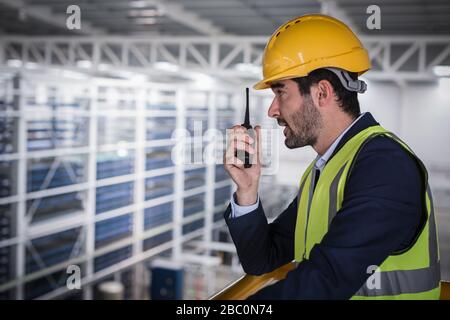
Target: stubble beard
[{"x": 304, "y": 126}]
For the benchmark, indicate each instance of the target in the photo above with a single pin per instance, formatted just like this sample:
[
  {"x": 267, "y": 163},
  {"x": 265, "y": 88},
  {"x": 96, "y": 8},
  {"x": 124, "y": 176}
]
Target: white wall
[
  {"x": 421, "y": 117},
  {"x": 427, "y": 122}
]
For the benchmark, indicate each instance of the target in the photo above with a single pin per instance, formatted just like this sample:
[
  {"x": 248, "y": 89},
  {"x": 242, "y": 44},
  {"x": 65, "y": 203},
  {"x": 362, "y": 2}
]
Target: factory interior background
[{"x": 112, "y": 134}]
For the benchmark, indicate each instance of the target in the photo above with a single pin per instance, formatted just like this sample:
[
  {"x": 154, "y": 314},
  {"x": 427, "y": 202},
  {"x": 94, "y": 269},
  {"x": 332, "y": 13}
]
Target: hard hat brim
[{"x": 356, "y": 60}]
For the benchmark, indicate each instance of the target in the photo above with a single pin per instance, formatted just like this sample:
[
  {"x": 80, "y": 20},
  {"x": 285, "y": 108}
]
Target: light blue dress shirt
[{"x": 237, "y": 210}]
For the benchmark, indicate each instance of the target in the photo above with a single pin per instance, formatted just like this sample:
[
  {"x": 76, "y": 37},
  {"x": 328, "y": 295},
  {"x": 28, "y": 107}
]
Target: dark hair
[{"x": 348, "y": 100}]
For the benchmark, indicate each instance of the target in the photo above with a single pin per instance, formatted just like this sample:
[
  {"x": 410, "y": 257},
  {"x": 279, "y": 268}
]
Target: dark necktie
[{"x": 316, "y": 178}]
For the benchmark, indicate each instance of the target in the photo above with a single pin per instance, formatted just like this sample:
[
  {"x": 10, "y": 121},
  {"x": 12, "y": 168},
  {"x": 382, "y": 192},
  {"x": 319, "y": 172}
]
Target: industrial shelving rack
[{"x": 87, "y": 178}]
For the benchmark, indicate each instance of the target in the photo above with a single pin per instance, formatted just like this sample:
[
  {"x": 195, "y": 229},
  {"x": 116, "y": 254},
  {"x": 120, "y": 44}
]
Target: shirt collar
[{"x": 322, "y": 160}]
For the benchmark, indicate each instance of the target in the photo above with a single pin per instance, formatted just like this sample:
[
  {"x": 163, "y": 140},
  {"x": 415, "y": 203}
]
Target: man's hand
[{"x": 247, "y": 179}]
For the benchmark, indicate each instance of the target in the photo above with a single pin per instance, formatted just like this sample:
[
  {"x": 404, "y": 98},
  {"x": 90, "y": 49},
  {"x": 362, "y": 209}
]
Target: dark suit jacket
[{"x": 380, "y": 215}]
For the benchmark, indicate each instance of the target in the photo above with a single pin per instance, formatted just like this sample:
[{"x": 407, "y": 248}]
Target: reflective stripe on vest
[
  {"x": 396, "y": 277},
  {"x": 404, "y": 282}
]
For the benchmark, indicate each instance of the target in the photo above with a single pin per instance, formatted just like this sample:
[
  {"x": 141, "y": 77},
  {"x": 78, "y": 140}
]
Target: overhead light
[
  {"x": 130, "y": 75},
  {"x": 144, "y": 13},
  {"x": 110, "y": 70},
  {"x": 70, "y": 74},
  {"x": 441, "y": 71},
  {"x": 14, "y": 63},
  {"x": 85, "y": 64},
  {"x": 104, "y": 67},
  {"x": 138, "y": 4},
  {"x": 145, "y": 20},
  {"x": 248, "y": 68},
  {"x": 202, "y": 80},
  {"x": 31, "y": 65},
  {"x": 166, "y": 66}
]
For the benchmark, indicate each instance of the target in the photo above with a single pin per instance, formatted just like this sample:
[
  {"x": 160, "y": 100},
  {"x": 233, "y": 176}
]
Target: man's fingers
[
  {"x": 239, "y": 131},
  {"x": 240, "y": 146},
  {"x": 239, "y": 141},
  {"x": 232, "y": 160},
  {"x": 258, "y": 144},
  {"x": 241, "y": 136}
]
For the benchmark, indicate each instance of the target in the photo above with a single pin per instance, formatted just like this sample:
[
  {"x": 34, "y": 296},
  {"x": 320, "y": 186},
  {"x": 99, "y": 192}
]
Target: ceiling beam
[
  {"x": 178, "y": 13},
  {"x": 261, "y": 14},
  {"x": 48, "y": 17}
]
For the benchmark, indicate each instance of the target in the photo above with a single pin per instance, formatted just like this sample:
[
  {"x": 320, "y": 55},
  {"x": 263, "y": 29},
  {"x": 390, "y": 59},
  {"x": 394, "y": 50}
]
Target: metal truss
[{"x": 393, "y": 58}]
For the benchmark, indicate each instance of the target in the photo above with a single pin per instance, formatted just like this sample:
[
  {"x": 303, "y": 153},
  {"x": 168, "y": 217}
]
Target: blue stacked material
[
  {"x": 218, "y": 216},
  {"x": 158, "y": 215},
  {"x": 41, "y": 286},
  {"x": 6, "y": 178},
  {"x": 193, "y": 104},
  {"x": 197, "y": 125},
  {"x": 7, "y": 132},
  {"x": 38, "y": 171},
  {"x": 160, "y": 127},
  {"x": 113, "y": 197},
  {"x": 193, "y": 226},
  {"x": 51, "y": 250},
  {"x": 114, "y": 166},
  {"x": 55, "y": 105},
  {"x": 113, "y": 257},
  {"x": 161, "y": 106},
  {"x": 157, "y": 240},
  {"x": 194, "y": 178},
  {"x": 166, "y": 284},
  {"x": 56, "y": 133},
  {"x": 7, "y": 295},
  {"x": 158, "y": 186},
  {"x": 193, "y": 204},
  {"x": 6, "y": 272},
  {"x": 113, "y": 229},
  {"x": 5, "y": 105},
  {"x": 220, "y": 173},
  {"x": 158, "y": 157},
  {"x": 58, "y": 205},
  {"x": 222, "y": 195}
]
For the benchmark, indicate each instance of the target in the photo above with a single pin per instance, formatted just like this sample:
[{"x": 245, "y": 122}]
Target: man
[{"x": 363, "y": 203}]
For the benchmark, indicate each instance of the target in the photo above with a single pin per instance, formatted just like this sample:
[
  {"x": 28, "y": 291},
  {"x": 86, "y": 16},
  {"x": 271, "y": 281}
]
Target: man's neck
[{"x": 332, "y": 129}]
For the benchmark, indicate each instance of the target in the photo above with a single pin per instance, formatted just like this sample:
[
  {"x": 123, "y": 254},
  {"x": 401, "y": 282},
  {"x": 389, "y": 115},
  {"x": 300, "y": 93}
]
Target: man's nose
[{"x": 274, "y": 110}]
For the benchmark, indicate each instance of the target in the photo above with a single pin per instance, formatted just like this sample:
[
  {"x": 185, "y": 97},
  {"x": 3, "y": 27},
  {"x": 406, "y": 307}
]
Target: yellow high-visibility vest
[{"x": 413, "y": 273}]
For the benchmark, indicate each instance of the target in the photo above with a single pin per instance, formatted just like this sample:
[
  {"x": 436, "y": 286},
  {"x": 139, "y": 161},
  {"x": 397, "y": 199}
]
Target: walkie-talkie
[{"x": 246, "y": 158}]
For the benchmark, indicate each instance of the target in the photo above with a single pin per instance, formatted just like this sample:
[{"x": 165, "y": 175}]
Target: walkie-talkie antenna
[
  {"x": 244, "y": 156},
  {"x": 247, "y": 112}
]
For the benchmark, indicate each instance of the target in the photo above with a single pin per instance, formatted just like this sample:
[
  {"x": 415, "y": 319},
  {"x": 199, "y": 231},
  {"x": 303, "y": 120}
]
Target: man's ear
[{"x": 324, "y": 93}]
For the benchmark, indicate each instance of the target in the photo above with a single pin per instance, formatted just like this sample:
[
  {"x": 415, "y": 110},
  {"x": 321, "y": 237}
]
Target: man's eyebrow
[{"x": 277, "y": 85}]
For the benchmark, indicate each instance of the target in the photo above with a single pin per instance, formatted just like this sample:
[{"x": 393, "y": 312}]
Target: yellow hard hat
[{"x": 310, "y": 42}]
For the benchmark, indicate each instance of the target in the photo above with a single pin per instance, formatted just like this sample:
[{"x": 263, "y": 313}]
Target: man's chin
[
  {"x": 293, "y": 144},
  {"x": 289, "y": 144}
]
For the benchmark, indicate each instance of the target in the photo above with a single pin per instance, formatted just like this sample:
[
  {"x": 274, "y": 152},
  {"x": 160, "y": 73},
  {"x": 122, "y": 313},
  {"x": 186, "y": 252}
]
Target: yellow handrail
[
  {"x": 445, "y": 290},
  {"x": 247, "y": 285}
]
